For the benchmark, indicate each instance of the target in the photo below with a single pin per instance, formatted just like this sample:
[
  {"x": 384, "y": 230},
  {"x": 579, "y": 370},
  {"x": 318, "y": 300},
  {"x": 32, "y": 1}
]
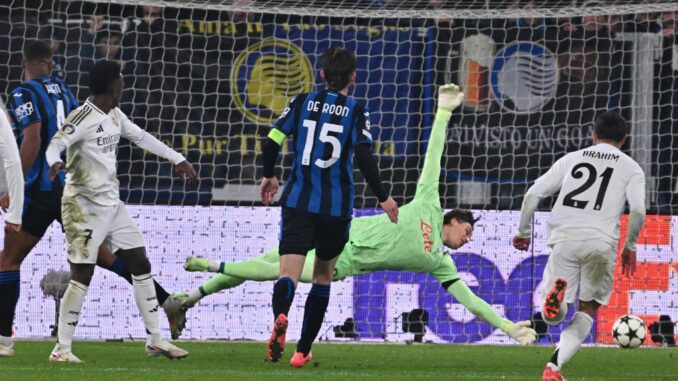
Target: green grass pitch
[{"x": 245, "y": 361}]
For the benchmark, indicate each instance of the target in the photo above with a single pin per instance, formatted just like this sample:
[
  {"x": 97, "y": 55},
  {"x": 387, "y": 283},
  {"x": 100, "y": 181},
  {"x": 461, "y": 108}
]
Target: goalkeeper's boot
[
  {"x": 554, "y": 299},
  {"x": 176, "y": 314},
  {"x": 165, "y": 348},
  {"x": 60, "y": 354},
  {"x": 7, "y": 349},
  {"x": 551, "y": 375},
  {"x": 276, "y": 343},
  {"x": 299, "y": 360},
  {"x": 197, "y": 264}
]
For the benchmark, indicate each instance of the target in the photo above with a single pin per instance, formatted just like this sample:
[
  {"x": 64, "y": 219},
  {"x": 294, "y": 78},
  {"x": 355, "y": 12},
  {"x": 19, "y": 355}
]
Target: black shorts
[
  {"x": 40, "y": 210},
  {"x": 302, "y": 231}
]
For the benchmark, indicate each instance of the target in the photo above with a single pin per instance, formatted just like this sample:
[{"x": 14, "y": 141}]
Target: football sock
[
  {"x": 283, "y": 294},
  {"x": 572, "y": 338},
  {"x": 559, "y": 317},
  {"x": 69, "y": 312},
  {"x": 9, "y": 295},
  {"x": 261, "y": 268},
  {"x": 144, "y": 294},
  {"x": 314, "y": 314},
  {"x": 120, "y": 268}
]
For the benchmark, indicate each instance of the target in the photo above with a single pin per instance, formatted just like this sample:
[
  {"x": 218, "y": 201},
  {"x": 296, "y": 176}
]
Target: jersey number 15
[{"x": 324, "y": 137}]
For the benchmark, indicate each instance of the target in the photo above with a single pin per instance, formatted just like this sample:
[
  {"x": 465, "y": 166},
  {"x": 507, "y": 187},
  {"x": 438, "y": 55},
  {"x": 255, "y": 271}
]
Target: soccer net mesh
[{"x": 209, "y": 77}]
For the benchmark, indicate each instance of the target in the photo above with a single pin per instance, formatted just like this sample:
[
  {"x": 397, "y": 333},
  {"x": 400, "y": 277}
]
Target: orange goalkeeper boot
[{"x": 276, "y": 343}]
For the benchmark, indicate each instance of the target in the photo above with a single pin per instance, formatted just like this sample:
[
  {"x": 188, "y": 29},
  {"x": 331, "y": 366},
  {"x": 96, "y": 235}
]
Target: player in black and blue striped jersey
[
  {"x": 37, "y": 108},
  {"x": 317, "y": 201}
]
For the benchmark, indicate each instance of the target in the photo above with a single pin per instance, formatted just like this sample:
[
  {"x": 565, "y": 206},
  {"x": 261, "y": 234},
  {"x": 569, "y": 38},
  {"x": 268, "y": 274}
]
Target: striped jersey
[
  {"x": 326, "y": 125},
  {"x": 45, "y": 100}
]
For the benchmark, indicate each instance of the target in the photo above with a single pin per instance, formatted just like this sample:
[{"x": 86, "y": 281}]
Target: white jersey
[
  {"x": 92, "y": 138},
  {"x": 11, "y": 175},
  {"x": 594, "y": 185}
]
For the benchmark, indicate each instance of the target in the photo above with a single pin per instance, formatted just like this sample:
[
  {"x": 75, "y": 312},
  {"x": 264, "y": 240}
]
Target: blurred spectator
[
  {"x": 57, "y": 34},
  {"x": 667, "y": 109}
]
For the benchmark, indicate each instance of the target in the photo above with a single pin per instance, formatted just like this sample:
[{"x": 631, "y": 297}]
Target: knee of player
[{"x": 136, "y": 260}]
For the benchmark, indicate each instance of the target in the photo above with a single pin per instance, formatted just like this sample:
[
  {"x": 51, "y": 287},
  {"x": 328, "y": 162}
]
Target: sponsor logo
[
  {"x": 426, "y": 230},
  {"x": 100, "y": 129},
  {"x": 53, "y": 88},
  {"x": 24, "y": 110},
  {"x": 524, "y": 77},
  {"x": 68, "y": 129},
  {"x": 266, "y": 75}
]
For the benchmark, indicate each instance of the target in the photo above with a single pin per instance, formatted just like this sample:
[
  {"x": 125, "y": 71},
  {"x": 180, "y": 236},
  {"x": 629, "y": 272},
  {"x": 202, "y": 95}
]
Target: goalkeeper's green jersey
[{"x": 414, "y": 244}]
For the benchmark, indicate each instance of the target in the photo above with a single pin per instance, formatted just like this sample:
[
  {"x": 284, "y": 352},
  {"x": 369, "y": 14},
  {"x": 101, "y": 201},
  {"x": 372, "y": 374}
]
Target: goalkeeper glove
[
  {"x": 521, "y": 332},
  {"x": 449, "y": 97}
]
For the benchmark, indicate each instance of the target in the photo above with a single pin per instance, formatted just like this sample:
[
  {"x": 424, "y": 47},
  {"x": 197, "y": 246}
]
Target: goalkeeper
[{"x": 377, "y": 244}]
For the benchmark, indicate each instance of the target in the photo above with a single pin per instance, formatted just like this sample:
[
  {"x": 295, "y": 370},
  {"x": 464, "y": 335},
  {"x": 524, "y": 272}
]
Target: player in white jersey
[
  {"x": 11, "y": 176},
  {"x": 583, "y": 231},
  {"x": 92, "y": 212}
]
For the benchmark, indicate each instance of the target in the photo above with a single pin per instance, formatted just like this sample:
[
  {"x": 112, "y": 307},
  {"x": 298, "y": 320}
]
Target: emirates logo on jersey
[{"x": 426, "y": 231}]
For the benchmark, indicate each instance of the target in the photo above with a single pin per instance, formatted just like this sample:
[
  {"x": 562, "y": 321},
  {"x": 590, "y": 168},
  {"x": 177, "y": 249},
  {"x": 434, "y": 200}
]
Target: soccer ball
[{"x": 629, "y": 331}]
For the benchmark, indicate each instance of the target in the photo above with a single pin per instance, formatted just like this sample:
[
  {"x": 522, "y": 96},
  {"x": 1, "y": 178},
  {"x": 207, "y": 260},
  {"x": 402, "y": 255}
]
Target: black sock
[
  {"x": 554, "y": 358},
  {"x": 120, "y": 268},
  {"x": 283, "y": 295},
  {"x": 314, "y": 314},
  {"x": 9, "y": 295}
]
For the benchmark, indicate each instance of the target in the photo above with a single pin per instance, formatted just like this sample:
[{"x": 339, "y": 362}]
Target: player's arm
[
  {"x": 546, "y": 185},
  {"x": 67, "y": 135},
  {"x": 13, "y": 174},
  {"x": 364, "y": 160},
  {"x": 150, "y": 143},
  {"x": 23, "y": 109},
  {"x": 449, "y": 279},
  {"x": 281, "y": 129},
  {"x": 635, "y": 194},
  {"x": 449, "y": 98}
]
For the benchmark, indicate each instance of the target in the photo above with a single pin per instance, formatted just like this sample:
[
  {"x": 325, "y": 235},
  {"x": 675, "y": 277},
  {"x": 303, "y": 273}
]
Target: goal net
[{"x": 208, "y": 77}]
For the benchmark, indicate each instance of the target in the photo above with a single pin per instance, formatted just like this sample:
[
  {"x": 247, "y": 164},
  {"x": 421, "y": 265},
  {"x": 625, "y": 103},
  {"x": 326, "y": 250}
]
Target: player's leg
[
  {"x": 176, "y": 316},
  {"x": 597, "y": 271},
  {"x": 86, "y": 224},
  {"x": 560, "y": 282},
  {"x": 296, "y": 239},
  {"x": 17, "y": 245},
  {"x": 262, "y": 268},
  {"x": 40, "y": 210},
  {"x": 331, "y": 237},
  {"x": 126, "y": 242}
]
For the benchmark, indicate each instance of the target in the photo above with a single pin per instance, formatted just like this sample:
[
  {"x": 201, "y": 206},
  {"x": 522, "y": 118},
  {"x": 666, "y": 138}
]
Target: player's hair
[
  {"x": 461, "y": 215},
  {"x": 37, "y": 50},
  {"x": 338, "y": 65},
  {"x": 610, "y": 126},
  {"x": 102, "y": 77}
]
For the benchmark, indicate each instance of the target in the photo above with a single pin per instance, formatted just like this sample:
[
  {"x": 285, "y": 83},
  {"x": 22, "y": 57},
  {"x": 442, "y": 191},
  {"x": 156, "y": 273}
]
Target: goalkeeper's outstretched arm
[
  {"x": 520, "y": 331},
  {"x": 449, "y": 98}
]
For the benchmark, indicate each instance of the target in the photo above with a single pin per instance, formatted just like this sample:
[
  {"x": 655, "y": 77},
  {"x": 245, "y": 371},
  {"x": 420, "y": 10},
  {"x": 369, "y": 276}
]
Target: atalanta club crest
[{"x": 524, "y": 77}]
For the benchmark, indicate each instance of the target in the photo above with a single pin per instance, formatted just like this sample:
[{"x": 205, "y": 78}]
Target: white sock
[
  {"x": 69, "y": 312},
  {"x": 147, "y": 301},
  {"x": 214, "y": 266},
  {"x": 194, "y": 296},
  {"x": 573, "y": 336},
  {"x": 559, "y": 318},
  {"x": 6, "y": 341}
]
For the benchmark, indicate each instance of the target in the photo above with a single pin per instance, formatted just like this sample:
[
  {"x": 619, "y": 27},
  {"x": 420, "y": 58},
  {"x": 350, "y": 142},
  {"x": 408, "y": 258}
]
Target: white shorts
[
  {"x": 88, "y": 225},
  {"x": 588, "y": 267}
]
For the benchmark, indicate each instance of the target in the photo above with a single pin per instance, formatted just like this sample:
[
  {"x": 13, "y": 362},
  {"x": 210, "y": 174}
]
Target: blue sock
[
  {"x": 9, "y": 295},
  {"x": 283, "y": 295},
  {"x": 314, "y": 314}
]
